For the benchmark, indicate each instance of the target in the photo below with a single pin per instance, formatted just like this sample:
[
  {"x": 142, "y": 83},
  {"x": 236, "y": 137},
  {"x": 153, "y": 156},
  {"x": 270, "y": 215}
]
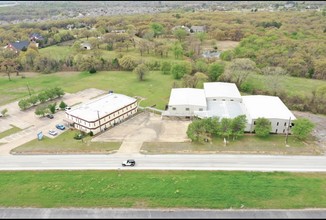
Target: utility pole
[
  {"x": 287, "y": 132},
  {"x": 29, "y": 91},
  {"x": 99, "y": 120}
]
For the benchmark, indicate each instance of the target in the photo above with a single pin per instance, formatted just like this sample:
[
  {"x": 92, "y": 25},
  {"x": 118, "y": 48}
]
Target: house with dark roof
[
  {"x": 18, "y": 45},
  {"x": 35, "y": 37}
]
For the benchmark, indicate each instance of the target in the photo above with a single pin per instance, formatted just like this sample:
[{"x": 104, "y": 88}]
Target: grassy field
[
  {"x": 291, "y": 85},
  {"x": 56, "y": 52},
  {"x": 10, "y": 131},
  {"x": 155, "y": 88},
  {"x": 166, "y": 189},
  {"x": 66, "y": 144},
  {"x": 249, "y": 144}
]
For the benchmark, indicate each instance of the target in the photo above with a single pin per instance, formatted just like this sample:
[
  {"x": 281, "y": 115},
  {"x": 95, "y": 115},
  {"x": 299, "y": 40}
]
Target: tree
[
  {"x": 62, "y": 105},
  {"x": 141, "y": 70},
  {"x": 9, "y": 67},
  {"x": 177, "y": 49},
  {"x": 41, "y": 110},
  {"x": 4, "y": 112},
  {"x": 215, "y": 70},
  {"x": 23, "y": 104},
  {"x": 263, "y": 127},
  {"x": 225, "y": 127},
  {"x": 165, "y": 67},
  {"x": 201, "y": 36},
  {"x": 157, "y": 29},
  {"x": 33, "y": 99},
  {"x": 189, "y": 81},
  {"x": 42, "y": 97},
  {"x": 180, "y": 34},
  {"x": 201, "y": 66},
  {"x": 128, "y": 62},
  {"x": 238, "y": 71},
  {"x": 302, "y": 128},
  {"x": 180, "y": 69},
  {"x": 58, "y": 91},
  {"x": 52, "y": 107},
  {"x": 238, "y": 126}
]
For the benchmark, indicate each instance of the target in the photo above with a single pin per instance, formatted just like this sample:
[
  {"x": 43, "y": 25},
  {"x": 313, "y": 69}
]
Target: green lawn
[
  {"x": 10, "y": 131},
  {"x": 249, "y": 144},
  {"x": 65, "y": 144},
  {"x": 165, "y": 189},
  {"x": 291, "y": 85},
  {"x": 56, "y": 52},
  {"x": 155, "y": 88}
]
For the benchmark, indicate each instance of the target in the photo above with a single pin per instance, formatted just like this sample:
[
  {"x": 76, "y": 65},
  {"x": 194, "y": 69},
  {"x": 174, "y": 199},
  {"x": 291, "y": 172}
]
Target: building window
[
  {"x": 284, "y": 123},
  {"x": 276, "y": 131},
  {"x": 232, "y": 100},
  {"x": 200, "y": 109},
  {"x": 214, "y": 99},
  {"x": 254, "y": 122},
  {"x": 174, "y": 108},
  {"x": 187, "y": 109},
  {"x": 223, "y": 99},
  {"x": 277, "y": 123},
  {"x": 283, "y": 130}
]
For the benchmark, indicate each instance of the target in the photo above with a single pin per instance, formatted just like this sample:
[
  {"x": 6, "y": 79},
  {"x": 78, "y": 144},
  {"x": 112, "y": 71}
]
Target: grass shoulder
[
  {"x": 66, "y": 144},
  {"x": 162, "y": 189},
  {"x": 248, "y": 144}
]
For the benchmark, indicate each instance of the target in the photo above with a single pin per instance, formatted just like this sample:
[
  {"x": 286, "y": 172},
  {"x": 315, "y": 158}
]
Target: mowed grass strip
[
  {"x": 10, "y": 131},
  {"x": 248, "y": 144},
  {"x": 66, "y": 144},
  {"x": 165, "y": 189}
]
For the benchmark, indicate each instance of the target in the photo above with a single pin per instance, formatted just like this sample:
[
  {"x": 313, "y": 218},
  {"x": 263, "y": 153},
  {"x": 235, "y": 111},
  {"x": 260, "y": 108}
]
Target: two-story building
[{"x": 102, "y": 113}]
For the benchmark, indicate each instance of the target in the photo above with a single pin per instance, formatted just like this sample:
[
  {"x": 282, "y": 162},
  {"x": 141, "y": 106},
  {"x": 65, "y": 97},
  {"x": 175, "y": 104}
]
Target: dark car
[
  {"x": 49, "y": 116},
  {"x": 61, "y": 127},
  {"x": 130, "y": 162}
]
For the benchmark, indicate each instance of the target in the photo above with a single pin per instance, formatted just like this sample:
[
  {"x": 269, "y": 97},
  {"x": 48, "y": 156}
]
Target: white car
[
  {"x": 53, "y": 132},
  {"x": 130, "y": 162}
]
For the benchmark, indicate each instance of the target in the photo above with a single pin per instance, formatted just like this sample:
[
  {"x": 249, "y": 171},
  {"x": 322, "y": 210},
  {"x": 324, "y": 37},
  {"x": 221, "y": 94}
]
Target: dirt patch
[
  {"x": 320, "y": 126},
  {"x": 226, "y": 45}
]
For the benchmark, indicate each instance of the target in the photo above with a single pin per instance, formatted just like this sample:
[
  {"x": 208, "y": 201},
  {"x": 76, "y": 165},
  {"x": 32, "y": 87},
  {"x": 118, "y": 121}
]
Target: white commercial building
[
  {"x": 185, "y": 101},
  {"x": 224, "y": 100},
  {"x": 270, "y": 107},
  {"x": 102, "y": 113}
]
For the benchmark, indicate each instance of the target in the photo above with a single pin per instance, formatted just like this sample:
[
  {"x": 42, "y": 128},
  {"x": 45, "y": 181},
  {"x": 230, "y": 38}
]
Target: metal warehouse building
[{"x": 223, "y": 100}]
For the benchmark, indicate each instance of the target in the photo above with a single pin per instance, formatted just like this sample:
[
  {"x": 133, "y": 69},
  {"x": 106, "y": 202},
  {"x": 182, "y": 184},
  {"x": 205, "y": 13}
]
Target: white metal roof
[
  {"x": 259, "y": 106},
  {"x": 100, "y": 107},
  {"x": 187, "y": 96},
  {"x": 221, "y": 89},
  {"x": 222, "y": 109}
]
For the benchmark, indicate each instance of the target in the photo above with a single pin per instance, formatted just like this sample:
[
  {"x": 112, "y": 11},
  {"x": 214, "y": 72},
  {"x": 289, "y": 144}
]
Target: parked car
[
  {"x": 49, "y": 116},
  {"x": 60, "y": 126},
  {"x": 53, "y": 132},
  {"x": 67, "y": 108},
  {"x": 130, "y": 162}
]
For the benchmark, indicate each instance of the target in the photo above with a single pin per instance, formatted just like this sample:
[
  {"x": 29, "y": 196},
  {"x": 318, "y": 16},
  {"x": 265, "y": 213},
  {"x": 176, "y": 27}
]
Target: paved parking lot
[
  {"x": 143, "y": 127},
  {"x": 32, "y": 124}
]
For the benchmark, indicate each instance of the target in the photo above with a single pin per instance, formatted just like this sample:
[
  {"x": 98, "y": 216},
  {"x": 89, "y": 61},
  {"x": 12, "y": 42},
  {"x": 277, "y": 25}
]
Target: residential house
[{"x": 17, "y": 46}]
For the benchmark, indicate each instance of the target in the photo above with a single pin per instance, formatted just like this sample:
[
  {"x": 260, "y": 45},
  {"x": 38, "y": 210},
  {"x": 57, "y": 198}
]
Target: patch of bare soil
[
  {"x": 320, "y": 126},
  {"x": 226, "y": 45}
]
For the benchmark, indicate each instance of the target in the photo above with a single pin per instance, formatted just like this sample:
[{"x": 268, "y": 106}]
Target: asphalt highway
[{"x": 165, "y": 162}]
